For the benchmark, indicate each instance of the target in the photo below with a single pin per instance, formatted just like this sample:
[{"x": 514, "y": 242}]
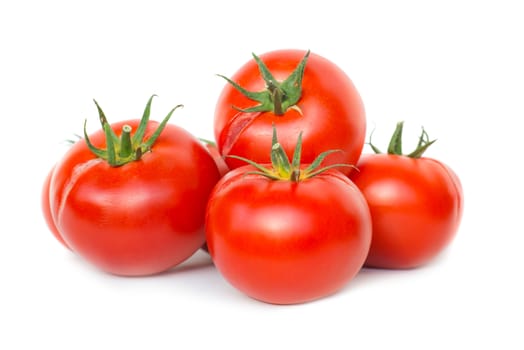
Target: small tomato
[{"x": 416, "y": 204}]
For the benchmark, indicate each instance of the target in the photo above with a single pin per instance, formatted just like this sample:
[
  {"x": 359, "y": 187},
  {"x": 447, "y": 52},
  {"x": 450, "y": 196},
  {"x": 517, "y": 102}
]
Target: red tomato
[
  {"x": 46, "y": 210},
  {"x": 287, "y": 242},
  {"x": 139, "y": 218},
  {"x": 416, "y": 207},
  {"x": 329, "y": 111}
]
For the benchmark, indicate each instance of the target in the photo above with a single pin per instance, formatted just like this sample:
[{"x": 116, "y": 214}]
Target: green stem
[
  {"x": 138, "y": 153},
  {"x": 279, "y": 96},
  {"x": 276, "y": 97},
  {"x": 126, "y": 146},
  {"x": 295, "y": 175},
  {"x": 395, "y": 144}
]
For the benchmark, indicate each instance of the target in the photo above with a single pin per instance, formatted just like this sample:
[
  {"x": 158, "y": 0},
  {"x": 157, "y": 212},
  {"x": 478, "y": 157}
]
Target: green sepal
[
  {"x": 395, "y": 143},
  {"x": 297, "y": 154},
  {"x": 278, "y": 97},
  {"x": 149, "y": 143},
  {"x": 111, "y": 144},
  {"x": 423, "y": 144},
  {"x": 103, "y": 121},
  {"x": 126, "y": 148},
  {"x": 332, "y": 166},
  {"x": 280, "y": 160},
  {"x": 100, "y": 153},
  {"x": 373, "y": 147},
  {"x": 259, "y": 96},
  {"x": 319, "y": 159},
  {"x": 261, "y": 169},
  {"x": 139, "y": 134},
  {"x": 284, "y": 169}
]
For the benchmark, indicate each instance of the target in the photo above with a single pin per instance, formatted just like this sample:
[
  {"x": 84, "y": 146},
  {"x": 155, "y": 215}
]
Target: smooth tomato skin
[
  {"x": 332, "y": 117},
  {"x": 285, "y": 243},
  {"x": 416, "y": 206},
  {"x": 141, "y": 218},
  {"x": 46, "y": 210}
]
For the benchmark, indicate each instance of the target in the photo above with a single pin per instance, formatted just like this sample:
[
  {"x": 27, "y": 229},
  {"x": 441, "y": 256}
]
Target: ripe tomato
[
  {"x": 46, "y": 210},
  {"x": 137, "y": 218},
  {"x": 298, "y": 92},
  {"x": 287, "y": 240},
  {"x": 416, "y": 206}
]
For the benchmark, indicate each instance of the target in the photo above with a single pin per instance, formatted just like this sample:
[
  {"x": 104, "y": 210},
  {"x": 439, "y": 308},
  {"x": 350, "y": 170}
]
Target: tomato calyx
[
  {"x": 395, "y": 144},
  {"x": 279, "y": 96},
  {"x": 128, "y": 147},
  {"x": 283, "y": 169}
]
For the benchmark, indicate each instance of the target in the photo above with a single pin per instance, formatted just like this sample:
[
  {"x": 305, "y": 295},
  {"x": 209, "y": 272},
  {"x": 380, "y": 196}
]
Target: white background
[{"x": 454, "y": 67}]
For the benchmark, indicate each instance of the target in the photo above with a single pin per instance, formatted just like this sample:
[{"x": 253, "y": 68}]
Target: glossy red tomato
[
  {"x": 285, "y": 233},
  {"x": 322, "y": 103},
  {"x": 46, "y": 210},
  {"x": 416, "y": 207},
  {"x": 139, "y": 218}
]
